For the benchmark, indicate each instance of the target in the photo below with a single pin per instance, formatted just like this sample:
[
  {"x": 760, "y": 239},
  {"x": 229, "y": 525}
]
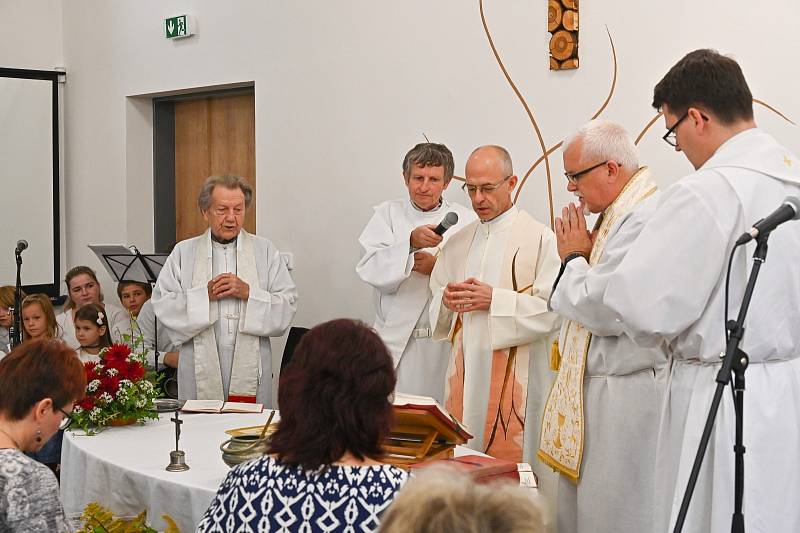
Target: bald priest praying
[{"x": 223, "y": 294}]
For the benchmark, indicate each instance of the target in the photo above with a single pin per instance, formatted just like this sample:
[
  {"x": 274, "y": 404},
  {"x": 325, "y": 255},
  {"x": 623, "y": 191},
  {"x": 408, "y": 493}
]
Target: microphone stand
[
  {"x": 735, "y": 360},
  {"x": 15, "y": 335}
]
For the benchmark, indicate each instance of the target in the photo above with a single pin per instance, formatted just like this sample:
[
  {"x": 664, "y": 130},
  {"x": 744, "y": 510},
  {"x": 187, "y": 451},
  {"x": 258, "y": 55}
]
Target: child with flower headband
[{"x": 91, "y": 330}]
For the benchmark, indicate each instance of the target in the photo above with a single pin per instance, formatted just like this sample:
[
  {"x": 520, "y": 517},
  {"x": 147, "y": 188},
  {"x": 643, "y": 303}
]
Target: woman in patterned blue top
[{"x": 324, "y": 471}]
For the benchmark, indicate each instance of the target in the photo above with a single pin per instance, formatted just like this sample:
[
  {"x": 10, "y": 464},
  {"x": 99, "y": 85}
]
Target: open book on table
[{"x": 218, "y": 406}]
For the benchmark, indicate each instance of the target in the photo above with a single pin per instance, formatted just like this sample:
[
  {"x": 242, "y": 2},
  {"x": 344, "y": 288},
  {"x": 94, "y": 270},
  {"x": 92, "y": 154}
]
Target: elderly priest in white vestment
[
  {"x": 223, "y": 294},
  {"x": 600, "y": 423},
  {"x": 670, "y": 286},
  {"x": 490, "y": 288},
  {"x": 400, "y": 249}
]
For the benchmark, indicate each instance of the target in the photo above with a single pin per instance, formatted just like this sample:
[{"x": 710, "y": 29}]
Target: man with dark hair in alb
[{"x": 670, "y": 288}]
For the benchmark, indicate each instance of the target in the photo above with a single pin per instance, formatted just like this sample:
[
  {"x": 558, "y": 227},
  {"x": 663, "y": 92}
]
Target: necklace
[{"x": 10, "y": 438}]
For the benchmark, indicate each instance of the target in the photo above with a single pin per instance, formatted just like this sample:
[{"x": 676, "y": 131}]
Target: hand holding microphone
[{"x": 429, "y": 235}]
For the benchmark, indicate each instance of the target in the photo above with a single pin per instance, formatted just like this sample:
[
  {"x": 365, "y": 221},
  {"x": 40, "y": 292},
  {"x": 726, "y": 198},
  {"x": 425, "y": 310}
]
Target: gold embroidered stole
[{"x": 562, "y": 435}]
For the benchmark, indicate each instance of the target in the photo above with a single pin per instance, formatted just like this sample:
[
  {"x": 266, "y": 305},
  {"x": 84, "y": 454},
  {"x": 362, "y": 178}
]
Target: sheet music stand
[{"x": 128, "y": 264}]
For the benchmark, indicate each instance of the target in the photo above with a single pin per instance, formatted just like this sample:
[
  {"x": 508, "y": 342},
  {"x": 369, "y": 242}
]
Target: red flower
[
  {"x": 87, "y": 404},
  {"x": 110, "y": 384},
  {"x": 118, "y": 352},
  {"x": 135, "y": 371},
  {"x": 91, "y": 371}
]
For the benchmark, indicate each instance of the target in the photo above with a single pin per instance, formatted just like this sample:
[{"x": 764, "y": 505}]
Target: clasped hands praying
[
  {"x": 467, "y": 296},
  {"x": 227, "y": 285},
  {"x": 571, "y": 233}
]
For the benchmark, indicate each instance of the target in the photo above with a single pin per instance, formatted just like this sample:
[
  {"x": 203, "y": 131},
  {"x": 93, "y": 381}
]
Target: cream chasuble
[
  {"x": 488, "y": 375},
  {"x": 562, "y": 433}
]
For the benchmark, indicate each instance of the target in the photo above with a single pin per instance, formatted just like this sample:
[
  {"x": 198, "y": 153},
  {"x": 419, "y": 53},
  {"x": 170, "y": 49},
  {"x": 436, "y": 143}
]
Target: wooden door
[{"x": 213, "y": 136}]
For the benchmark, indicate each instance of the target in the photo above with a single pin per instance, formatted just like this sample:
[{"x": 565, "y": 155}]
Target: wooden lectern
[{"x": 422, "y": 431}]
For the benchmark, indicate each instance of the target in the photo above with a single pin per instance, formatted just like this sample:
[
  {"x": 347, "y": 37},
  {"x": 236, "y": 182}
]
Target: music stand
[{"x": 128, "y": 264}]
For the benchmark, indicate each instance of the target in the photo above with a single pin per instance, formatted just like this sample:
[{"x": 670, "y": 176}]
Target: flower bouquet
[{"x": 117, "y": 391}]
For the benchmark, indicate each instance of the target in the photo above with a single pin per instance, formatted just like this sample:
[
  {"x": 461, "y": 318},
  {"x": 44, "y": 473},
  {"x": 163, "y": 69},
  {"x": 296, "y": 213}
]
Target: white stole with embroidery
[{"x": 246, "y": 370}]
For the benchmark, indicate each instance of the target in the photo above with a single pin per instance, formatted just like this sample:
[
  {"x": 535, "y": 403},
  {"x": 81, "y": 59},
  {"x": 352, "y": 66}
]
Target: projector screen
[{"x": 29, "y": 178}]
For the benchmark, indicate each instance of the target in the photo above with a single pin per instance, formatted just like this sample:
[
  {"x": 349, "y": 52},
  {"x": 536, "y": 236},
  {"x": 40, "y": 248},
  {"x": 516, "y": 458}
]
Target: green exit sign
[{"x": 178, "y": 27}]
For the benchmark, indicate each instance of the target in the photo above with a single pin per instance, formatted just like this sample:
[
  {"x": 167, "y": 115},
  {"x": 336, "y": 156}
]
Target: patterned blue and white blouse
[{"x": 266, "y": 495}]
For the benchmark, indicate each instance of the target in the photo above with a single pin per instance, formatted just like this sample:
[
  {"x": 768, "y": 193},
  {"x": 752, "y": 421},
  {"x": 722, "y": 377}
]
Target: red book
[{"x": 482, "y": 468}]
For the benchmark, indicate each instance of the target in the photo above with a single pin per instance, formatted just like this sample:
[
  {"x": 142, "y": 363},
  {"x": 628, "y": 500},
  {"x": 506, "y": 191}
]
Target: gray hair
[
  {"x": 502, "y": 155},
  {"x": 229, "y": 182},
  {"x": 605, "y": 140},
  {"x": 444, "y": 500},
  {"x": 429, "y": 155}
]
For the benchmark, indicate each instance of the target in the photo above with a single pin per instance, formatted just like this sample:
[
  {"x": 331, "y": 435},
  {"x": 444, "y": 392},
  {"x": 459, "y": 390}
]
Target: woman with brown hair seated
[
  {"x": 40, "y": 381},
  {"x": 324, "y": 471}
]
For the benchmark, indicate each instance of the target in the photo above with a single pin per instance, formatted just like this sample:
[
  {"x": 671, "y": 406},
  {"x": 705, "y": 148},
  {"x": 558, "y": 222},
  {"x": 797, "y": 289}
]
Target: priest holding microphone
[{"x": 401, "y": 243}]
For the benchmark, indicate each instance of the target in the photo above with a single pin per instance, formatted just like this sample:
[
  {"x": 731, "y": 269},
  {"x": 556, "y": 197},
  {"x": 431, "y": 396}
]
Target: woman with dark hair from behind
[
  {"x": 40, "y": 382},
  {"x": 323, "y": 470}
]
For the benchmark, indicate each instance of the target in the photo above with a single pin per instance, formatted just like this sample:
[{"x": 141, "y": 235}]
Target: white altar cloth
[{"x": 123, "y": 468}]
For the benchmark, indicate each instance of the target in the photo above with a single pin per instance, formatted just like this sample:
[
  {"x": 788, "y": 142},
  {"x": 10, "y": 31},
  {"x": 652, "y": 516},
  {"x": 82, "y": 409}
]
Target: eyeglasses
[
  {"x": 671, "y": 137},
  {"x": 573, "y": 176},
  {"x": 67, "y": 421},
  {"x": 472, "y": 189}
]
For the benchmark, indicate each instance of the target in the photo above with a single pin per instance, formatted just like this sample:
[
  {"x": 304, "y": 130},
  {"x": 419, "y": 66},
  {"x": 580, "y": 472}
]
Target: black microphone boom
[
  {"x": 789, "y": 210},
  {"x": 449, "y": 220},
  {"x": 22, "y": 244}
]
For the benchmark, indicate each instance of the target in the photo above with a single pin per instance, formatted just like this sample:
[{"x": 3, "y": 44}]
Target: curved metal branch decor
[
  {"x": 546, "y": 152},
  {"x": 755, "y": 101}
]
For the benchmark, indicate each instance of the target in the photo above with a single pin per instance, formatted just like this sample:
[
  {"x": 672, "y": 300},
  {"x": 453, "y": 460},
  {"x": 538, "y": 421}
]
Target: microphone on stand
[
  {"x": 789, "y": 210},
  {"x": 22, "y": 244}
]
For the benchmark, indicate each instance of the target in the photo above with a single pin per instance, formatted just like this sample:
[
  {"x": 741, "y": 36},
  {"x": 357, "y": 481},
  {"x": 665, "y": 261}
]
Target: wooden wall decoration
[{"x": 562, "y": 23}]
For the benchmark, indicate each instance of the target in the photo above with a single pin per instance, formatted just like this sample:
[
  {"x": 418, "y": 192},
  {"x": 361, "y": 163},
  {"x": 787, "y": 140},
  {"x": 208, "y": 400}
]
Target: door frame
[{"x": 164, "y": 160}]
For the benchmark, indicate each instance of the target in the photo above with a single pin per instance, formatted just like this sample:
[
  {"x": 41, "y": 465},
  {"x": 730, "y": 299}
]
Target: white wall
[
  {"x": 30, "y": 38},
  {"x": 31, "y": 34},
  {"x": 343, "y": 89}
]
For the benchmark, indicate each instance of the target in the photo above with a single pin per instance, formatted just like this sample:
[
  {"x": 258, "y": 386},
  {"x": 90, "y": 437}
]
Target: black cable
[{"x": 727, "y": 290}]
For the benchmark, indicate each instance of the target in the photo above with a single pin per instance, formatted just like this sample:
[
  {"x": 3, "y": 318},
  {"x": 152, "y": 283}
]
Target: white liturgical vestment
[
  {"x": 401, "y": 296},
  {"x": 670, "y": 287},
  {"x": 225, "y": 348},
  {"x": 621, "y": 387}
]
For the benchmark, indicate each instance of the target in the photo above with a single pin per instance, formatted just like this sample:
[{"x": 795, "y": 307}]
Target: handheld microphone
[
  {"x": 449, "y": 220},
  {"x": 789, "y": 210},
  {"x": 22, "y": 244}
]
